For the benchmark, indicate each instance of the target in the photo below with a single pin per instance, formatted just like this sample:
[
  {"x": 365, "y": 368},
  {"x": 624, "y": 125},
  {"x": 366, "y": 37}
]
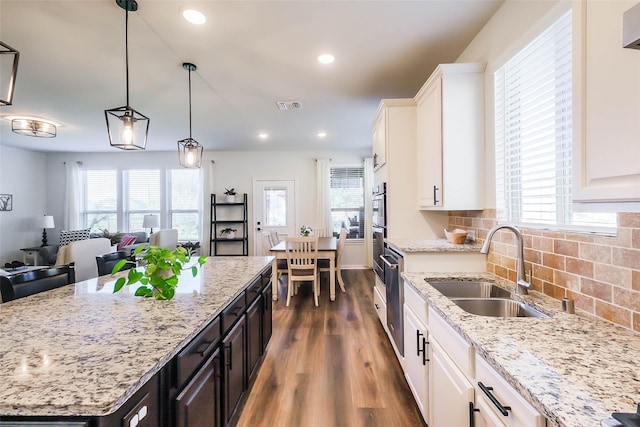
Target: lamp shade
[
  {"x": 151, "y": 221},
  {"x": 45, "y": 221}
]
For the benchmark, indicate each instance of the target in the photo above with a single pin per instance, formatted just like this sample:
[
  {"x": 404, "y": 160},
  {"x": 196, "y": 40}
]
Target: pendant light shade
[
  {"x": 8, "y": 61},
  {"x": 189, "y": 150},
  {"x": 128, "y": 129}
]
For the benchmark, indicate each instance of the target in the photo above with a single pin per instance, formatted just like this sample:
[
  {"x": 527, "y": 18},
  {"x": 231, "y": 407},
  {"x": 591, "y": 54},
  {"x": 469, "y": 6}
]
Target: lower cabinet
[
  {"x": 450, "y": 391},
  {"x": 416, "y": 359},
  {"x": 254, "y": 337},
  {"x": 234, "y": 369},
  {"x": 198, "y": 403}
]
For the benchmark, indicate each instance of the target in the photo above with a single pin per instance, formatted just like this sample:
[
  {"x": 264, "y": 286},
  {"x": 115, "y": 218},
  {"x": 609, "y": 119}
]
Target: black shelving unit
[{"x": 233, "y": 215}]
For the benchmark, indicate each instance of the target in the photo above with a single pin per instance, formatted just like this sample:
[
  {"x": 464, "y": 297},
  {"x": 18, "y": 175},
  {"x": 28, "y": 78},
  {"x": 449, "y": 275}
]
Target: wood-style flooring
[{"x": 330, "y": 365}]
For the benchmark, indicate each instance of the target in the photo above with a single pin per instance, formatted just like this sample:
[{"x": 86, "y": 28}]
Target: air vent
[{"x": 289, "y": 105}]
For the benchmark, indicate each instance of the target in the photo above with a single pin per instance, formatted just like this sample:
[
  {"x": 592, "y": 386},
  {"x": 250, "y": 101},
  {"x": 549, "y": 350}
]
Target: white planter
[
  {"x": 231, "y": 235},
  {"x": 229, "y": 198}
]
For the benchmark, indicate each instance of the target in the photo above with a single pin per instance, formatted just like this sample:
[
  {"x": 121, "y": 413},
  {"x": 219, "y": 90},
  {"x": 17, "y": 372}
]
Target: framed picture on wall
[{"x": 6, "y": 202}]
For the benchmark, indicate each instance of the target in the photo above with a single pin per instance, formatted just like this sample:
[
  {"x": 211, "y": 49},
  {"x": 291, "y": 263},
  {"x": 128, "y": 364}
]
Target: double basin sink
[{"x": 484, "y": 299}]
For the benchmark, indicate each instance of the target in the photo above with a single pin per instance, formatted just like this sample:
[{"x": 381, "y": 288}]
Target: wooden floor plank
[{"x": 330, "y": 365}]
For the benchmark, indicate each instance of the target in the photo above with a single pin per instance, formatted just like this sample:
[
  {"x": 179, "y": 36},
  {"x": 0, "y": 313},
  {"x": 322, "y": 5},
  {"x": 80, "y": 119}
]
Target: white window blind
[
  {"x": 184, "y": 200},
  {"x": 347, "y": 200},
  {"x": 533, "y": 110},
  {"x": 143, "y": 191},
  {"x": 101, "y": 200}
]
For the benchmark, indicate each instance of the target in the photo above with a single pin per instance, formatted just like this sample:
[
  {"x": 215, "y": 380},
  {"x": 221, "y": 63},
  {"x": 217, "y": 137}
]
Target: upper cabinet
[
  {"x": 450, "y": 138},
  {"x": 379, "y": 135},
  {"x": 606, "y": 164}
]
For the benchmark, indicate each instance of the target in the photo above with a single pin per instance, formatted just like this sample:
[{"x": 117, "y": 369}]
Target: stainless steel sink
[
  {"x": 470, "y": 289},
  {"x": 496, "y": 307}
]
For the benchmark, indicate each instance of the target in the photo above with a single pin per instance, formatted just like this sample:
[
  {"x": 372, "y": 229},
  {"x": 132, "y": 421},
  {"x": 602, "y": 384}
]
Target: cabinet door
[
  {"x": 254, "y": 337},
  {"x": 199, "y": 402},
  {"x": 449, "y": 390},
  {"x": 484, "y": 416},
  {"x": 429, "y": 115},
  {"x": 267, "y": 316},
  {"x": 416, "y": 358},
  {"x": 379, "y": 136},
  {"x": 233, "y": 347}
]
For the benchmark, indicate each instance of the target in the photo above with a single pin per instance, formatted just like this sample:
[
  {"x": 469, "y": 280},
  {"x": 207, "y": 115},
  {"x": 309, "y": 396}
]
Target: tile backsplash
[{"x": 602, "y": 274}]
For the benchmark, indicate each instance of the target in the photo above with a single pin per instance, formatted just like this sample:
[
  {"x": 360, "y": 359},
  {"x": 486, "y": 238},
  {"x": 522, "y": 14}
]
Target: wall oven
[{"x": 379, "y": 228}]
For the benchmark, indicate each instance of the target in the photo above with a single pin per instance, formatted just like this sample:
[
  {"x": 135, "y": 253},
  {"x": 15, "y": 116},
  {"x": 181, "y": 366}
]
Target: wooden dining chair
[
  {"x": 267, "y": 244},
  {"x": 319, "y": 231},
  {"x": 302, "y": 257},
  {"x": 33, "y": 282},
  {"x": 107, "y": 261},
  {"x": 323, "y": 264}
]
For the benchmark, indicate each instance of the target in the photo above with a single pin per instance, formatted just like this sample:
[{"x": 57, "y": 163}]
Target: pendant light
[
  {"x": 189, "y": 150},
  {"x": 128, "y": 129},
  {"x": 6, "y": 96}
]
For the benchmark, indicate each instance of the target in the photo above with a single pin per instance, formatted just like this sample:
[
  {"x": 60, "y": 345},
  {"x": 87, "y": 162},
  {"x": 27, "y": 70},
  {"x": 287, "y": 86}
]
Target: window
[
  {"x": 101, "y": 200},
  {"x": 533, "y": 110},
  {"x": 184, "y": 203},
  {"x": 118, "y": 200},
  {"x": 143, "y": 196},
  {"x": 347, "y": 200}
]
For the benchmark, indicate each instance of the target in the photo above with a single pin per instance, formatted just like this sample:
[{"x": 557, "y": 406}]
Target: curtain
[
  {"x": 323, "y": 195},
  {"x": 208, "y": 184},
  {"x": 73, "y": 197},
  {"x": 368, "y": 213}
]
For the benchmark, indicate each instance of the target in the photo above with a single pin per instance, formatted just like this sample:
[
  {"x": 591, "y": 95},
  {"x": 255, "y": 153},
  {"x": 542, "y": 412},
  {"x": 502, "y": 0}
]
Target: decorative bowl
[{"x": 456, "y": 236}]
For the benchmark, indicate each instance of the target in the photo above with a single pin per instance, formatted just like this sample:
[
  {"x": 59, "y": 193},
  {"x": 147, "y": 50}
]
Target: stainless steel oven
[
  {"x": 379, "y": 228},
  {"x": 393, "y": 266}
]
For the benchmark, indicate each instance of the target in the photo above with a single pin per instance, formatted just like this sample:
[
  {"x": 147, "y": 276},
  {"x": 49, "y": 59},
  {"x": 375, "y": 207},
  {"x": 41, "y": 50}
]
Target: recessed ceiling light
[
  {"x": 194, "y": 16},
  {"x": 322, "y": 134},
  {"x": 263, "y": 135},
  {"x": 326, "y": 58}
]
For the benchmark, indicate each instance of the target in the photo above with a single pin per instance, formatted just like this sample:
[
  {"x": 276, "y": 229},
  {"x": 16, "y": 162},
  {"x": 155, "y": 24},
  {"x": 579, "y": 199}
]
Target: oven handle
[{"x": 387, "y": 263}]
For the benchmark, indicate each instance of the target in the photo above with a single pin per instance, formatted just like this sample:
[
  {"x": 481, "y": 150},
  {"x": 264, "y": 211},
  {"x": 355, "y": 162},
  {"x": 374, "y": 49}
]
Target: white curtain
[
  {"x": 208, "y": 184},
  {"x": 368, "y": 212},
  {"x": 73, "y": 197},
  {"x": 323, "y": 195}
]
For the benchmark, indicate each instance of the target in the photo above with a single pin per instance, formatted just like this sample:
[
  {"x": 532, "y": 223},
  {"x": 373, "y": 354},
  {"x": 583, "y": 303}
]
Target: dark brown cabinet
[
  {"x": 267, "y": 313},
  {"x": 198, "y": 403},
  {"x": 254, "y": 337},
  {"x": 234, "y": 369}
]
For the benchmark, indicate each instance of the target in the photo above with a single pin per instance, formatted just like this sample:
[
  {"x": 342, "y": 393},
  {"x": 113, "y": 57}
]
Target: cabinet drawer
[
  {"x": 380, "y": 306},
  {"x": 233, "y": 312},
  {"x": 521, "y": 413},
  {"x": 266, "y": 276},
  {"x": 253, "y": 291},
  {"x": 417, "y": 303},
  {"x": 197, "y": 351},
  {"x": 454, "y": 345}
]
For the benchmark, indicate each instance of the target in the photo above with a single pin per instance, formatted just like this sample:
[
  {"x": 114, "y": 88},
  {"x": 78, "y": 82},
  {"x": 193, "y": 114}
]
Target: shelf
[{"x": 225, "y": 214}]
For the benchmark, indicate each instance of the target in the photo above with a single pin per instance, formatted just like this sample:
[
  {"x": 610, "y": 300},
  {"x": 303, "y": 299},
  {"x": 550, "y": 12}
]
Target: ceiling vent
[{"x": 289, "y": 105}]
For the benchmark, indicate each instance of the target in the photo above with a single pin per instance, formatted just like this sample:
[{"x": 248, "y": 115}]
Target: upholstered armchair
[{"x": 48, "y": 254}]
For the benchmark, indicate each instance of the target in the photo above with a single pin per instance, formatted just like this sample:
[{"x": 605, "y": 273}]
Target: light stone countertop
[
  {"x": 82, "y": 350},
  {"x": 575, "y": 369},
  {"x": 411, "y": 245}
]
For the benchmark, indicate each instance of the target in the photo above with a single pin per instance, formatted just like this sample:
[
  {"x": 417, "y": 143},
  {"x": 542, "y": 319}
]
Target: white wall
[
  {"x": 22, "y": 174},
  {"x": 236, "y": 169}
]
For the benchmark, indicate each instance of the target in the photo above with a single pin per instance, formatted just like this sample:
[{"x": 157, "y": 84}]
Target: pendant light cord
[
  {"x": 190, "y": 103},
  {"x": 126, "y": 47}
]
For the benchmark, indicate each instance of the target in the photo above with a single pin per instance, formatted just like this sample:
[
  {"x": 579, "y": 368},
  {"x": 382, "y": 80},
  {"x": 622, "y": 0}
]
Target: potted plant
[
  {"x": 162, "y": 267},
  {"x": 190, "y": 247},
  {"x": 229, "y": 233},
  {"x": 306, "y": 231},
  {"x": 114, "y": 238},
  {"x": 230, "y": 195}
]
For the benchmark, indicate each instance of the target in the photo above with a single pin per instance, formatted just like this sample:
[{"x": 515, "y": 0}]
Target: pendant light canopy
[
  {"x": 189, "y": 150},
  {"x": 6, "y": 52},
  {"x": 128, "y": 129}
]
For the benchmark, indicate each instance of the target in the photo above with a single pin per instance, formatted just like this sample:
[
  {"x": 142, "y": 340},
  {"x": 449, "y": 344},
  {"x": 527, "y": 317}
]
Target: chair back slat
[{"x": 302, "y": 252}]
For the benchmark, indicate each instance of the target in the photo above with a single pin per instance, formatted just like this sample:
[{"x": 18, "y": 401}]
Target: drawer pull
[
  {"x": 472, "y": 419},
  {"x": 487, "y": 390},
  {"x": 420, "y": 337}
]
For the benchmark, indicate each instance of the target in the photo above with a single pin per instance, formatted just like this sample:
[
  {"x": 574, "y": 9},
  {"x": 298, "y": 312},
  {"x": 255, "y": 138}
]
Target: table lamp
[
  {"x": 150, "y": 221},
  {"x": 44, "y": 222}
]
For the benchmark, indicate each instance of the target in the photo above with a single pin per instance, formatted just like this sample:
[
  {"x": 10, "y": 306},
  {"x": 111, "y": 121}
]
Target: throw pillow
[
  {"x": 126, "y": 240},
  {"x": 67, "y": 237}
]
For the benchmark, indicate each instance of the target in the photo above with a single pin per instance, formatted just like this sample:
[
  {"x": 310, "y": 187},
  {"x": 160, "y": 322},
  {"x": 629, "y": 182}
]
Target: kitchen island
[{"x": 83, "y": 351}]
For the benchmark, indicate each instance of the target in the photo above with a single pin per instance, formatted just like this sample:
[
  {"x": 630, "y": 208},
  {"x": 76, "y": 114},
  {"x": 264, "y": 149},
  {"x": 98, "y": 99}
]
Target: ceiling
[{"x": 249, "y": 55}]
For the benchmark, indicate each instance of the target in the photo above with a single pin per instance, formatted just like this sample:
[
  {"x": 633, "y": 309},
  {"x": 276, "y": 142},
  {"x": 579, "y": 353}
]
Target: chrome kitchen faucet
[{"x": 522, "y": 286}]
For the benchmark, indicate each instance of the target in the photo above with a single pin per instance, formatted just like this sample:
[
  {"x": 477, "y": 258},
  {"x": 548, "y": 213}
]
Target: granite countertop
[
  {"x": 575, "y": 369},
  {"x": 413, "y": 245},
  {"x": 82, "y": 350}
]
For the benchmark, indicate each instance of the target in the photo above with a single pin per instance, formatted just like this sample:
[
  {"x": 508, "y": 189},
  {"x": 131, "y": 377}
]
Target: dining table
[{"x": 327, "y": 249}]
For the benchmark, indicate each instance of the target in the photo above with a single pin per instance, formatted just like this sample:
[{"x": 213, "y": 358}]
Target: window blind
[
  {"x": 184, "y": 210},
  {"x": 347, "y": 200},
  {"x": 533, "y": 130},
  {"x": 101, "y": 200}
]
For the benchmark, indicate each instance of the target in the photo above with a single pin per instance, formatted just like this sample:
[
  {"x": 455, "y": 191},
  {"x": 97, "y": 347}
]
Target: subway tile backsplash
[{"x": 602, "y": 274}]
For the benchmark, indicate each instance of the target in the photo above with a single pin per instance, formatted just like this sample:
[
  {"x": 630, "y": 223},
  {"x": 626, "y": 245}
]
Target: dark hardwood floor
[{"x": 330, "y": 365}]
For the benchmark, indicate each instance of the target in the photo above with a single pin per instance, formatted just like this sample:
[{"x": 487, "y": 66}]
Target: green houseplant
[
  {"x": 228, "y": 232},
  {"x": 230, "y": 194},
  {"x": 160, "y": 275},
  {"x": 114, "y": 238}
]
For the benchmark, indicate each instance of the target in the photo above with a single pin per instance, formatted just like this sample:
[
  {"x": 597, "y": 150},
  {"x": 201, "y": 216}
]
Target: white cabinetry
[
  {"x": 606, "y": 165},
  {"x": 416, "y": 358},
  {"x": 379, "y": 136},
  {"x": 450, "y": 138}
]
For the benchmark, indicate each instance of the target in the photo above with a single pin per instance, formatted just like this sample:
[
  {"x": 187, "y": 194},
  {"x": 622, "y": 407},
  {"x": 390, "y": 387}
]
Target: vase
[
  {"x": 231, "y": 235},
  {"x": 229, "y": 198}
]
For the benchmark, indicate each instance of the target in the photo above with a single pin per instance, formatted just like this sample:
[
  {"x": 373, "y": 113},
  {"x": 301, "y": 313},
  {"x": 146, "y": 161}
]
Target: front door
[{"x": 274, "y": 204}]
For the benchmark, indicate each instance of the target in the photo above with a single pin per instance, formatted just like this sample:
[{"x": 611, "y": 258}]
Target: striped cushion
[{"x": 126, "y": 241}]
